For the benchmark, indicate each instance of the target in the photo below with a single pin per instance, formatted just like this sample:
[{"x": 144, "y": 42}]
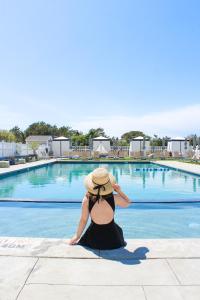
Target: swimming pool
[
  {"x": 143, "y": 182},
  {"x": 59, "y": 220}
]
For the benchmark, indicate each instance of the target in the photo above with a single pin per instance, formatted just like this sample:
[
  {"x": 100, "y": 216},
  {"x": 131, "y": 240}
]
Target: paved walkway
[
  {"x": 26, "y": 166},
  {"x": 38, "y": 269},
  {"x": 191, "y": 168}
]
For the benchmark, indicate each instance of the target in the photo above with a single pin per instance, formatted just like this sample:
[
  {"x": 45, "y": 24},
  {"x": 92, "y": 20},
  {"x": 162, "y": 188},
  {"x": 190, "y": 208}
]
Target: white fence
[{"x": 14, "y": 149}]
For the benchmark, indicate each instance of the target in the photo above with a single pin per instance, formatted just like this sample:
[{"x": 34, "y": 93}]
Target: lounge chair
[{"x": 4, "y": 164}]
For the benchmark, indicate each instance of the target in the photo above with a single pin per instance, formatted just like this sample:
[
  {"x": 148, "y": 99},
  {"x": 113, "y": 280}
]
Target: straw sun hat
[{"x": 99, "y": 182}]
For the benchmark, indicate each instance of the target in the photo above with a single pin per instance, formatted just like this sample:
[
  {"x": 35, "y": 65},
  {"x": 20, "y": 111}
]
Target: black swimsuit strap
[{"x": 109, "y": 198}]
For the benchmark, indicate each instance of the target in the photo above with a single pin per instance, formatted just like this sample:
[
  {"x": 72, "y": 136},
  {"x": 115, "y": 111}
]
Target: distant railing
[
  {"x": 80, "y": 148},
  {"x": 157, "y": 148},
  {"x": 87, "y": 148},
  {"x": 119, "y": 148}
]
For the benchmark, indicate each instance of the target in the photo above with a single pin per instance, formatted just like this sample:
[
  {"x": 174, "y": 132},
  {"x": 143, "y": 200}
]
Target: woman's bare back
[{"x": 102, "y": 212}]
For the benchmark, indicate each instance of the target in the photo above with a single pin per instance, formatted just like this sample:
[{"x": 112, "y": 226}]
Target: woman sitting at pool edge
[{"x": 99, "y": 202}]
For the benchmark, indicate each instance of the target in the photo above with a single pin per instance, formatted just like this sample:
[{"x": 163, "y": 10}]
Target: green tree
[
  {"x": 114, "y": 141},
  {"x": 34, "y": 146},
  {"x": 54, "y": 130},
  {"x": 79, "y": 140},
  {"x": 7, "y": 136},
  {"x": 65, "y": 131},
  {"x": 41, "y": 128},
  {"x": 128, "y": 136},
  {"x": 157, "y": 141},
  {"x": 93, "y": 133},
  {"x": 18, "y": 133},
  {"x": 123, "y": 142},
  {"x": 192, "y": 139}
]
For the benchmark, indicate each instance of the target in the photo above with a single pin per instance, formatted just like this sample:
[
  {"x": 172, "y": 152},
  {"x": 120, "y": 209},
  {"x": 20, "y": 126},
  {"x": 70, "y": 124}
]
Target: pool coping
[
  {"x": 4, "y": 172},
  {"x": 180, "y": 166},
  {"x": 59, "y": 248}
]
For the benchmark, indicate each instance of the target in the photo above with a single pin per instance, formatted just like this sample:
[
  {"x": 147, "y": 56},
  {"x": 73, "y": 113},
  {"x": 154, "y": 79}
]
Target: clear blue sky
[{"x": 123, "y": 65}]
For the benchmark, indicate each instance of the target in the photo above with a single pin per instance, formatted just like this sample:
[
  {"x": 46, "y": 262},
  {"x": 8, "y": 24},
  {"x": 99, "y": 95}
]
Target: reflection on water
[{"x": 142, "y": 182}]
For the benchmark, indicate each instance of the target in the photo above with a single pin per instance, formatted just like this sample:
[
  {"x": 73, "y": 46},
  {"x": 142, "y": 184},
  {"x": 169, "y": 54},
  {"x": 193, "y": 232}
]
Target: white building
[
  {"x": 101, "y": 144},
  {"x": 43, "y": 144},
  {"x": 139, "y": 144},
  {"x": 44, "y": 140},
  {"x": 61, "y": 146},
  {"x": 178, "y": 146}
]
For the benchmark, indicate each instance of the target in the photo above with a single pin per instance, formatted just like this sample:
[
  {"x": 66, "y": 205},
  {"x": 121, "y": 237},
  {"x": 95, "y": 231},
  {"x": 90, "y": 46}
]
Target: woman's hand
[
  {"x": 116, "y": 187},
  {"x": 74, "y": 240}
]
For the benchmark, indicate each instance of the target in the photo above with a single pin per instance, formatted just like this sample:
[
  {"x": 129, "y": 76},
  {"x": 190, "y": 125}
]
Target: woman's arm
[
  {"x": 82, "y": 222},
  {"x": 121, "y": 199}
]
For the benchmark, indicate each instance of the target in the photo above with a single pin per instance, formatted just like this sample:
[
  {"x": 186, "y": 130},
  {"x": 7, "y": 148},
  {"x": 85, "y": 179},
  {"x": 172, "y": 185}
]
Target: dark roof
[{"x": 38, "y": 138}]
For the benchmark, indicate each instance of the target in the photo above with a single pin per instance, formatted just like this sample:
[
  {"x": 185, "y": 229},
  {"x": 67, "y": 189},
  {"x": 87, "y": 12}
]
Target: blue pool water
[
  {"x": 64, "y": 182},
  {"x": 142, "y": 182},
  {"x": 59, "y": 220}
]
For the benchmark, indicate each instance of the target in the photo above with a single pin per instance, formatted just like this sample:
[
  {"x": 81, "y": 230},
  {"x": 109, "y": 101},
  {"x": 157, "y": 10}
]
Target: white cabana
[
  {"x": 178, "y": 145},
  {"x": 61, "y": 146},
  {"x": 101, "y": 149},
  {"x": 196, "y": 153},
  {"x": 101, "y": 141},
  {"x": 139, "y": 144}
]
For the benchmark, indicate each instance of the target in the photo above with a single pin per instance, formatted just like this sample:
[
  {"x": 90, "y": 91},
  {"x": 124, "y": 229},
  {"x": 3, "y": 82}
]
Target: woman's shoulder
[{"x": 85, "y": 198}]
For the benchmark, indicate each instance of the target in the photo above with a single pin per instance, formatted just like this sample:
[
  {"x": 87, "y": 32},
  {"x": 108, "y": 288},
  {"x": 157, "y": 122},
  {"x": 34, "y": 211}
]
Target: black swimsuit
[{"x": 103, "y": 236}]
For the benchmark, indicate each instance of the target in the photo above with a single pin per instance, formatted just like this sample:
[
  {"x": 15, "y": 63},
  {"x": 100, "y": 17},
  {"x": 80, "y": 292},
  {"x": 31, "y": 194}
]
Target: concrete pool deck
[
  {"x": 26, "y": 166},
  {"x": 38, "y": 268},
  {"x": 183, "y": 166}
]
